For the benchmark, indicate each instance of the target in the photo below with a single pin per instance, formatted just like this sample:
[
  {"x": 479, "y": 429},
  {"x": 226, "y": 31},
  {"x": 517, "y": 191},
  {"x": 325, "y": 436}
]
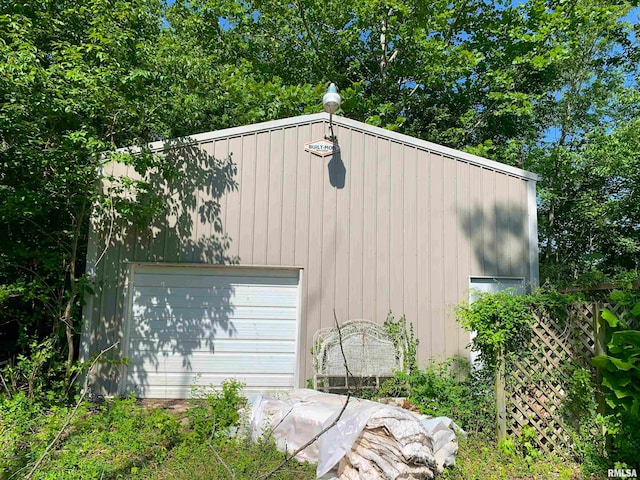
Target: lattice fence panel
[{"x": 535, "y": 385}]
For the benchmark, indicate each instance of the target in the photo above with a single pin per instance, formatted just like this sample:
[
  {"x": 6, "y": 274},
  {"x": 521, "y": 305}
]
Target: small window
[
  {"x": 491, "y": 285},
  {"x": 495, "y": 285}
]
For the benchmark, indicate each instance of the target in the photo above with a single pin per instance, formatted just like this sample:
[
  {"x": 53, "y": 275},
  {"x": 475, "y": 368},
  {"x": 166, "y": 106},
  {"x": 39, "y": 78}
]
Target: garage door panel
[
  {"x": 170, "y": 345},
  {"x": 200, "y": 281},
  {"x": 189, "y": 297},
  {"x": 217, "y": 323},
  {"x": 205, "y": 379},
  {"x": 209, "y": 312},
  {"x": 162, "y": 387},
  {"x": 220, "y": 363},
  {"x": 242, "y": 328}
]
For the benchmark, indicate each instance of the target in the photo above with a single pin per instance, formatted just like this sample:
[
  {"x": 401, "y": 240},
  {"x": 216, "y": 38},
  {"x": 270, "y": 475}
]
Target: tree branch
[
  {"x": 288, "y": 458},
  {"x": 344, "y": 357},
  {"x": 224, "y": 464}
]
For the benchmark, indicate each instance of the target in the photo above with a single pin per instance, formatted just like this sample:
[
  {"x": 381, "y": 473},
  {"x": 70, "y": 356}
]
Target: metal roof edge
[
  {"x": 168, "y": 144},
  {"x": 434, "y": 147},
  {"x": 163, "y": 145}
]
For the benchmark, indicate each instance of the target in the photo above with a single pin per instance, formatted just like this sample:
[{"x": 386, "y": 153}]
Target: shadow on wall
[
  {"x": 337, "y": 170},
  {"x": 499, "y": 239},
  {"x": 174, "y": 216}
]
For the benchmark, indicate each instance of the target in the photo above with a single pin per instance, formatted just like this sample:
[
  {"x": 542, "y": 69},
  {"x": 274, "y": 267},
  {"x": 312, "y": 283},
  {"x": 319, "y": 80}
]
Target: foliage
[
  {"x": 501, "y": 322},
  {"x": 580, "y": 413},
  {"x": 404, "y": 340},
  {"x": 102, "y": 442},
  {"x": 32, "y": 373},
  {"x": 217, "y": 410},
  {"x": 620, "y": 367},
  {"x": 524, "y": 446},
  {"x": 450, "y": 389},
  {"x": 200, "y": 460},
  {"x": 620, "y": 370},
  {"x": 20, "y": 421},
  {"x": 479, "y": 459},
  {"x": 122, "y": 439},
  {"x": 548, "y": 87}
]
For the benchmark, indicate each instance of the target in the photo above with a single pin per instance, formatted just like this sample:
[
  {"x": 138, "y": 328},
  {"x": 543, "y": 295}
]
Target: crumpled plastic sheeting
[
  {"x": 371, "y": 440},
  {"x": 445, "y": 443}
]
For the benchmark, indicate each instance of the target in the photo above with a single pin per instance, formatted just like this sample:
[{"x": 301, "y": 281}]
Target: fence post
[
  {"x": 599, "y": 348},
  {"x": 600, "y": 334},
  {"x": 501, "y": 406}
]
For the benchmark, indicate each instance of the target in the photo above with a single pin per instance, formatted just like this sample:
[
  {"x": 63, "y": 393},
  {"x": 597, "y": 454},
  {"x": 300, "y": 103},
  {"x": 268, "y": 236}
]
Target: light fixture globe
[{"x": 331, "y": 100}]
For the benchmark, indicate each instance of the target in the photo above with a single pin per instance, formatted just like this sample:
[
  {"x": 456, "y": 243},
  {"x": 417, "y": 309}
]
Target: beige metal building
[{"x": 373, "y": 222}]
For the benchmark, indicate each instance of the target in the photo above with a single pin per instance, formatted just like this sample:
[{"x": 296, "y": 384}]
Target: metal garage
[
  {"x": 377, "y": 221},
  {"x": 190, "y": 325}
]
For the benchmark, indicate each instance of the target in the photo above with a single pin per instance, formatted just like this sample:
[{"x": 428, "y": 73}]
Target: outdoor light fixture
[
  {"x": 331, "y": 103},
  {"x": 331, "y": 100}
]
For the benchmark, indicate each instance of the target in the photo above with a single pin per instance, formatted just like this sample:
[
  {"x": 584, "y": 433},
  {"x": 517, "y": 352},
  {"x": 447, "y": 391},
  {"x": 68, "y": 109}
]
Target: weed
[
  {"x": 449, "y": 389},
  {"x": 480, "y": 460},
  {"x": 215, "y": 411},
  {"x": 104, "y": 443},
  {"x": 404, "y": 339}
]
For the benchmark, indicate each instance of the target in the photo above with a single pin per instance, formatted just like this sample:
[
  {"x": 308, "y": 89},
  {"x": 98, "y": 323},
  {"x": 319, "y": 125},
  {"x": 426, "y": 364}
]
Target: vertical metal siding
[
  {"x": 409, "y": 235},
  {"x": 404, "y": 233},
  {"x": 355, "y": 187},
  {"x": 423, "y": 323},
  {"x": 381, "y": 193},
  {"x": 396, "y": 228},
  {"x": 369, "y": 228},
  {"x": 437, "y": 265}
]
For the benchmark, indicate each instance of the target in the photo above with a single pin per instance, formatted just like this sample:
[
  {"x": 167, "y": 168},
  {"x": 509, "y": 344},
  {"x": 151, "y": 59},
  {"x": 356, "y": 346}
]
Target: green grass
[
  {"x": 482, "y": 460},
  {"x": 191, "y": 460},
  {"x": 123, "y": 439}
]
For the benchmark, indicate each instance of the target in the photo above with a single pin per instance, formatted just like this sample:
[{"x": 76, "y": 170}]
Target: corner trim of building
[{"x": 532, "y": 221}]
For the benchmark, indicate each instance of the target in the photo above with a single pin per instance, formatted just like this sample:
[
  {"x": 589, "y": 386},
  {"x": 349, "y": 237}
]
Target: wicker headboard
[{"x": 369, "y": 350}]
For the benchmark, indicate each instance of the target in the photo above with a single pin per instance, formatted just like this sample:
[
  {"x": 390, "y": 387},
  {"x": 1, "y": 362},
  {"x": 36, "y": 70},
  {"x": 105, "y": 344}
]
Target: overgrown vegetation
[
  {"x": 604, "y": 434},
  {"x": 449, "y": 389},
  {"x": 102, "y": 441},
  {"x": 501, "y": 323},
  {"x": 479, "y": 459},
  {"x": 404, "y": 340},
  {"x": 81, "y": 78},
  {"x": 123, "y": 439},
  {"x": 620, "y": 370}
]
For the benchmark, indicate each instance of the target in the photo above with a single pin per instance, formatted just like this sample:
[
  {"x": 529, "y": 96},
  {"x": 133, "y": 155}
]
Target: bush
[
  {"x": 449, "y": 389},
  {"x": 100, "y": 442},
  {"x": 502, "y": 323},
  {"x": 620, "y": 370},
  {"x": 20, "y": 421},
  {"x": 215, "y": 412},
  {"x": 39, "y": 373}
]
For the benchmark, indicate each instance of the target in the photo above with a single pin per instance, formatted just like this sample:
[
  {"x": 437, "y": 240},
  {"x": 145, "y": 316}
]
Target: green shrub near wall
[
  {"x": 603, "y": 436},
  {"x": 450, "y": 389}
]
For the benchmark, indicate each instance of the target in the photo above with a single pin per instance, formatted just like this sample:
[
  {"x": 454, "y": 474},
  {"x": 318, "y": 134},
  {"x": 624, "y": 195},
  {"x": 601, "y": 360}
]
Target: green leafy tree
[
  {"x": 548, "y": 86},
  {"x": 76, "y": 80}
]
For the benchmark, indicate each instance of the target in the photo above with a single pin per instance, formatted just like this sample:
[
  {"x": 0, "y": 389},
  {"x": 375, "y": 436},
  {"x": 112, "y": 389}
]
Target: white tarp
[{"x": 371, "y": 440}]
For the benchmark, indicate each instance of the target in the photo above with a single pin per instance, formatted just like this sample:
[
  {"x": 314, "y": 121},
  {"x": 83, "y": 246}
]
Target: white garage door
[{"x": 202, "y": 325}]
